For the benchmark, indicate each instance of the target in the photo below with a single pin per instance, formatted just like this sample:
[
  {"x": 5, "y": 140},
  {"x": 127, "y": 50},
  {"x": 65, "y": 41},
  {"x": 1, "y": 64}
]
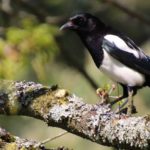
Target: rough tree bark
[{"x": 57, "y": 107}]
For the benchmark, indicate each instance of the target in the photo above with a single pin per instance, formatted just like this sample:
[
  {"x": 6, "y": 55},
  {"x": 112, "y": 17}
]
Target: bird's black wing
[{"x": 131, "y": 57}]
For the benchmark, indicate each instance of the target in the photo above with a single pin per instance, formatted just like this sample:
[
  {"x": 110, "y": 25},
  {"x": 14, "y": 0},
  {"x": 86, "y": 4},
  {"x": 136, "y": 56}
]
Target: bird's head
[{"x": 83, "y": 22}]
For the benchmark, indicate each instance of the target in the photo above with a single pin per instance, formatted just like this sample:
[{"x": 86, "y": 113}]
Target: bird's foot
[
  {"x": 125, "y": 110},
  {"x": 104, "y": 94},
  {"x": 130, "y": 109}
]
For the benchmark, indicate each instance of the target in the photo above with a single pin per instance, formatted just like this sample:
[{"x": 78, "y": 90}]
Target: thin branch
[
  {"x": 53, "y": 138},
  {"x": 129, "y": 12},
  {"x": 9, "y": 142}
]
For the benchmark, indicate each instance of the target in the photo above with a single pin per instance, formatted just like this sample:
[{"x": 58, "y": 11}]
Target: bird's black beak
[{"x": 68, "y": 25}]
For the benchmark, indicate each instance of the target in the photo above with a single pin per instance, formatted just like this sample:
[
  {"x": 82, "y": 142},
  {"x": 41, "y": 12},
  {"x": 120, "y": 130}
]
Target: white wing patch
[{"x": 120, "y": 43}]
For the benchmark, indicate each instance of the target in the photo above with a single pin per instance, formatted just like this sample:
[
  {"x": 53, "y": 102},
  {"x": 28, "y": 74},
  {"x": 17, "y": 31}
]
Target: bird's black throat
[{"x": 93, "y": 42}]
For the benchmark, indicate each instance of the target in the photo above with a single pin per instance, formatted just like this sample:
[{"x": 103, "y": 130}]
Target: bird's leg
[{"x": 130, "y": 101}]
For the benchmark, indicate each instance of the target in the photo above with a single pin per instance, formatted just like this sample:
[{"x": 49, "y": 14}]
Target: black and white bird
[{"x": 114, "y": 54}]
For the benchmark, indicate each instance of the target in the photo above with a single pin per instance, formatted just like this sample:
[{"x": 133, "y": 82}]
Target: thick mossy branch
[{"x": 57, "y": 107}]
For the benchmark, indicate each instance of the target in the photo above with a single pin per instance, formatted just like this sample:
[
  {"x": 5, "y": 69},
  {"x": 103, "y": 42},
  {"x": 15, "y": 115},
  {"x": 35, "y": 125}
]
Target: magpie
[{"x": 115, "y": 54}]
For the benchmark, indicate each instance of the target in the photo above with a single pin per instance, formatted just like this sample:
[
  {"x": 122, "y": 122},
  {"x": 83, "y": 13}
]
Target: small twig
[
  {"x": 112, "y": 89},
  {"x": 53, "y": 138}
]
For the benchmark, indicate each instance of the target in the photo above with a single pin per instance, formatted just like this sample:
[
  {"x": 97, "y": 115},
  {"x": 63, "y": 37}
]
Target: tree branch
[
  {"x": 129, "y": 12},
  {"x": 9, "y": 141},
  {"x": 57, "y": 107}
]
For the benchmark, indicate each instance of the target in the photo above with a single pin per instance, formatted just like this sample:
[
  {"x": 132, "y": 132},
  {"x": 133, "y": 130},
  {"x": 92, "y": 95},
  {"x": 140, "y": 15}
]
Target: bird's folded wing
[{"x": 128, "y": 57}]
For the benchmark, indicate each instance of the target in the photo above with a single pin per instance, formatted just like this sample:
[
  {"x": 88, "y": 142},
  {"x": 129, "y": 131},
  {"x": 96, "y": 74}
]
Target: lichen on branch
[{"x": 57, "y": 107}]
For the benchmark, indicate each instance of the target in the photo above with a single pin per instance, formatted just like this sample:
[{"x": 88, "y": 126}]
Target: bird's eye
[{"x": 81, "y": 21}]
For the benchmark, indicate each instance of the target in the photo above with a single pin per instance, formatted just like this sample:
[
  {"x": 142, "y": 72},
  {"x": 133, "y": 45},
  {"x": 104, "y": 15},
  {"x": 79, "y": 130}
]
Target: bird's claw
[{"x": 125, "y": 111}]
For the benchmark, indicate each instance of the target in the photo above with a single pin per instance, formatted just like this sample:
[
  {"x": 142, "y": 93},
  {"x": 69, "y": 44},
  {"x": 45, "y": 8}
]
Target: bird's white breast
[{"x": 119, "y": 72}]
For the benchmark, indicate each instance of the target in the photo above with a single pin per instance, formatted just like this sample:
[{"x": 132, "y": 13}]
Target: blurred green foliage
[
  {"x": 27, "y": 49},
  {"x": 33, "y": 48}
]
